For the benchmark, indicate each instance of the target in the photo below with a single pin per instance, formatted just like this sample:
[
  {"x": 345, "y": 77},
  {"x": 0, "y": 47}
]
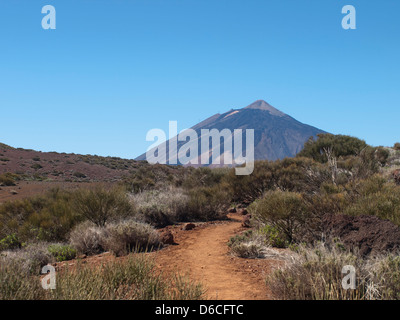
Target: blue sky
[{"x": 112, "y": 70}]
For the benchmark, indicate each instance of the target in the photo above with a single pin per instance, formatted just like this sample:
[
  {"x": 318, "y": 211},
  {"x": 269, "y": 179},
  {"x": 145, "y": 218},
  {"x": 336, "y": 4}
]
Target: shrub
[
  {"x": 30, "y": 259},
  {"x": 396, "y": 146},
  {"x": 384, "y": 203},
  {"x": 48, "y": 217},
  {"x": 17, "y": 284},
  {"x": 247, "y": 245},
  {"x": 367, "y": 163},
  {"x": 300, "y": 175},
  {"x": 341, "y": 146},
  {"x": 248, "y": 250},
  {"x": 158, "y": 177},
  {"x": 53, "y": 219},
  {"x": 247, "y": 188},
  {"x": 327, "y": 202},
  {"x": 374, "y": 196},
  {"x": 208, "y": 203},
  {"x": 10, "y": 242},
  {"x": 52, "y": 216},
  {"x": 135, "y": 278},
  {"x": 101, "y": 205},
  {"x": 316, "y": 274},
  {"x": 204, "y": 177},
  {"x": 7, "y": 179},
  {"x": 125, "y": 236},
  {"x": 273, "y": 237},
  {"x": 384, "y": 276},
  {"x": 382, "y": 155},
  {"x": 62, "y": 252},
  {"x": 161, "y": 208},
  {"x": 79, "y": 175},
  {"x": 245, "y": 236},
  {"x": 87, "y": 238},
  {"x": 36, "y": 166},
  {"x": 284, "y": 211},
  {"x": 290, "y": 174}
]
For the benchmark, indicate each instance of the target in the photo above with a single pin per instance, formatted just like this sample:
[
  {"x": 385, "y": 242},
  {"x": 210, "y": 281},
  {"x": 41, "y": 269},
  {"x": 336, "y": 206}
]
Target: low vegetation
[
  {"x": 62, "y": 252},
  {"x": 101, "y": 205},
  {"x": 129, "y": 235},
  {"x": 316, "y": 274},
  {"x": 133, "y": 279},
  {"x": 288, "y": 200}
]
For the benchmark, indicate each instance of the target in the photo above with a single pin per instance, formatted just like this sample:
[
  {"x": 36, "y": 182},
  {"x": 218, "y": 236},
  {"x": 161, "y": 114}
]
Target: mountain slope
[{"x": 276, "y": 134}]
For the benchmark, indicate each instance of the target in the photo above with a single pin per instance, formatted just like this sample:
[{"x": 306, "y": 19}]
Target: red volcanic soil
[
  {"x": 26, "y": 189},
  {"x": 202, "y": 254},
  {"x": 37, "y": 172},
  {"x": 63, "y": 167},
  {"x": 369, "y": 234}
]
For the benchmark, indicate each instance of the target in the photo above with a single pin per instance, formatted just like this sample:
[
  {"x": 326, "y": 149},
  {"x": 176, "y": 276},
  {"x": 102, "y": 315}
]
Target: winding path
[{"x": 203, "y": 254}]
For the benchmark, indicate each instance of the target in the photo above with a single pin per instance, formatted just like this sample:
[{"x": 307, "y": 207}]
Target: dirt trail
[{"x": 203, "y": 254}]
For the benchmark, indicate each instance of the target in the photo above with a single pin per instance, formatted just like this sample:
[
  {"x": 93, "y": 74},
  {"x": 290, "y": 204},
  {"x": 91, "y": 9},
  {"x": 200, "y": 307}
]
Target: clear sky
[{"x": 112, "y": 70}]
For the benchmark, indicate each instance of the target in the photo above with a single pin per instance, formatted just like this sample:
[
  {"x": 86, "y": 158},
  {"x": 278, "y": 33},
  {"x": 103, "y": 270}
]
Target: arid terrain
[
  {"x": 202, "y": 255},
  {"x": 283, "y": 232}
]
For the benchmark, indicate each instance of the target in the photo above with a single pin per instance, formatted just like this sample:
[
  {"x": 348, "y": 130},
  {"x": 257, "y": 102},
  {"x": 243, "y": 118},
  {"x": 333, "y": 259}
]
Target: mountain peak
[
  {"x": 276, "y": 134},
  {"x": 262, "y": 105}
]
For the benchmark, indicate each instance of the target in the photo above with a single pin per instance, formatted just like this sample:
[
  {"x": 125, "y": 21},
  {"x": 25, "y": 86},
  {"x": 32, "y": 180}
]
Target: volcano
[{"x": 276, "y": 134}]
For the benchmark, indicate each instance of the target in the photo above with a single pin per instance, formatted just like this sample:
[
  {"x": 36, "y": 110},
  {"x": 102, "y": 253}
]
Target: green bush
[
  {"x": 247, "y": 188},
  {"x": 53, "y": 219},
  {"x": 79, "y": 175},
  {"x": 245, "y": 236},
  {"x": 284, "y": 211},
  {"x": 10, "y": 242},
  {"x": 373, "y": 196},
  {"x": 100, "y": 205},
  {"x": 273, "y": 237},
  {"x": 396, "y": 146},
  {"x": 341, "y": 146},
  {"x": 62, "y": 252},
  {"x": 48, "y": 217},
  {"x": 208, "y": 203},
  {"x": 300, "y": 175},
  {"x": 383, "y": 203},
  {"x": 290, "y": 174}
]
